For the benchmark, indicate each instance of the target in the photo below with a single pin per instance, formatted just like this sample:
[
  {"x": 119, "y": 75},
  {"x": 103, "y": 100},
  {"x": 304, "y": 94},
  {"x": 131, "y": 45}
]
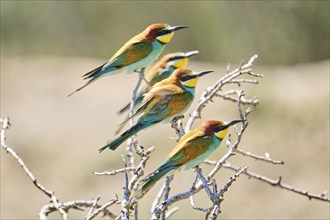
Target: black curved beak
[
  {"x": 179, "y": 27},
  {"x": 191, "y": 53},
  {"x": 202, "y": 73}
]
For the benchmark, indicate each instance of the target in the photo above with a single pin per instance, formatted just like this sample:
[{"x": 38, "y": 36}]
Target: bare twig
[
  {"x": 210, "y": 92},
  {"x": 124, "y": 201},
  {"x": 166, "y": 192},
  {"x": 265, "y": 158},
  {"x": 192, "y": 202},
  {"x": 280, "y": 184},
  {"x": 93, "y": 206},
  {"x": 227, "y": 95},
  {"x": 132, "y": 141},
  {"x": 114, "y": 172},
  {"x": 171, "y": 212},
  {"x": 103, "y": 209},
  {"x": 80, "y": 205},
  {"x": 158, "y": 198},
  {"x": 231, "y": 180},
  {"x": 201, "y": 177},
  {"x": 4, "y": 126}
]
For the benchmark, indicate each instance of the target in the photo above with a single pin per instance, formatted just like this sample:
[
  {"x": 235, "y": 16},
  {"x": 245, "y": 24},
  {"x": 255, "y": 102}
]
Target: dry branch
[
  {"x": 278, "y": 183},
  {"x": 212, "y": 91}
]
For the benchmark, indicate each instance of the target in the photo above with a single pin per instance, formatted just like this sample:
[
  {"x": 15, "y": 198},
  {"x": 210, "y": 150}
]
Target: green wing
[
  {"x": 130, "y": 54},
  {"x": 189, "y": 150}
]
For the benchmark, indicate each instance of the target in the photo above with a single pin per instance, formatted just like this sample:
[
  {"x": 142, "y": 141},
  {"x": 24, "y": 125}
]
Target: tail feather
[
  {"x": 114, "y": 144},
  {"x": 154, "y": 177},
  {"x": 93, "y": 73},
  {"x": 80, "y": 88},
  {"x": 124, "y": 109}
]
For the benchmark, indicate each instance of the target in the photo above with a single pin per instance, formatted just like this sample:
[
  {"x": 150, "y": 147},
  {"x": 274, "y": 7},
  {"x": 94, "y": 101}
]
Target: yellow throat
[
  {"x": 191, "y": 83},
  {"x": 180, "y": 63},
  {"x": 222, "y": 134},
  {"x": 165, "y": 38}
]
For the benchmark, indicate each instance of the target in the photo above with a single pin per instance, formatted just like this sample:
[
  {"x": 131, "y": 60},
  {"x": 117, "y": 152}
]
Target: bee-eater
[
  {"x": 192, "y": 149},
  {"x": 159, "y": 71},
  {"x": 136, "y": 54},
  {"x": 165, "y": 100}
]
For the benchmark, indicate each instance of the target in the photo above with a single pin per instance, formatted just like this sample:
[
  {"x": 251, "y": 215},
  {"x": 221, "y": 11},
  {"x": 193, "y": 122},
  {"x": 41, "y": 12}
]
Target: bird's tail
[
  {"x": 80, "y": 88},
  {"x": 124, "y": 109},
  {"x": 92, "y": 76},
  {"x": 152, "y": 178},
  {"x": 113, "y": 144}
]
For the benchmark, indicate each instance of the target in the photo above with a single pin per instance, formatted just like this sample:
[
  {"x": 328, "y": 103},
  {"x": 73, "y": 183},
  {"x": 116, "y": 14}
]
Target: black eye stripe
[
  {"x": 185, "y": 78},
  {"x": 219, "y": 128},
  {"x": 175, "y": 58},
  {"x": 163, "y": 32}
]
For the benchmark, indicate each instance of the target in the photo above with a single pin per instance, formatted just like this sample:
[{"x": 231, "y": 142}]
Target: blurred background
[{"x": 47, "y": 45}]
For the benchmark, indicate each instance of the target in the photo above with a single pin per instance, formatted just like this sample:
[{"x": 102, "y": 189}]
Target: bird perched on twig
[
  {"x": 136, "y": 54},
  {"x": 192, "y": 149},
  {"x": 159, "y": 71},
  {"x": 165, "y": 100}
]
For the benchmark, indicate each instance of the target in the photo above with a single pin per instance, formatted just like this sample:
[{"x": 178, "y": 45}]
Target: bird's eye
[{"x": 218, "y": 128}]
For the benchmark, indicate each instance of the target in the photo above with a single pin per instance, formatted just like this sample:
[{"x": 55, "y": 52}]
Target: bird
[
  {"x": 165, "y": 100},
  {"x": 191, "y": 150},
  {"x": 159, "y": 71},
  {"x": 137, "y": 53}
]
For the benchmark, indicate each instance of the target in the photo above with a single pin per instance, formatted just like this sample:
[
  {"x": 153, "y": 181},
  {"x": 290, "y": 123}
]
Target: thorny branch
[
  {"x": 210, "y": 92},
  {"x": 278, "y": 183},
  {"x": 219, "y": 195},
  {"x": 265, "y": 158}
]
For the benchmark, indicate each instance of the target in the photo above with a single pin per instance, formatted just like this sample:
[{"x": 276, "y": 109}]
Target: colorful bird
[
  {"x": 159, "y": 71},
  {"x": 136, "y": 54},
  {"x": 166, "y": 99},
  {"x": 192, "y": 149}
]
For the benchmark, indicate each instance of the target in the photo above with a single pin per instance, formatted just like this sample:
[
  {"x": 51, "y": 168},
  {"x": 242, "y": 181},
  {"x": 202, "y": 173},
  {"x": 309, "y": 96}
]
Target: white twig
[
  {"x": 278, "y": 183},
  {"x": 158, "y": 198},
  {"x": 93, "y": 207},
  {"x": 102, "y": 208},
  {"x": 210, "y": 92},
  {"x": 265, "y": 158},
  {"x": 227, "y": 95},
  {"x": 79, "y": 205},
  {"x": 170, "y": 212},
  {"x": 200, "y": 175},
  {"x": 124, "y": 201},
  {"x": 5, "y": 124},
  {"x": 114, "y": 172},
  {"x": 166, "y": 192}
]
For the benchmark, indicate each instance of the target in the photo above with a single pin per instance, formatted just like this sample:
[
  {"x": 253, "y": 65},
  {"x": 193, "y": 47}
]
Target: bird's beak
[
  {"x": 231, "y": 123},
  {"x": 176, "y": 28},
  {"x": 202, "y": 73},
  {"x": 191, "y": 53}
]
